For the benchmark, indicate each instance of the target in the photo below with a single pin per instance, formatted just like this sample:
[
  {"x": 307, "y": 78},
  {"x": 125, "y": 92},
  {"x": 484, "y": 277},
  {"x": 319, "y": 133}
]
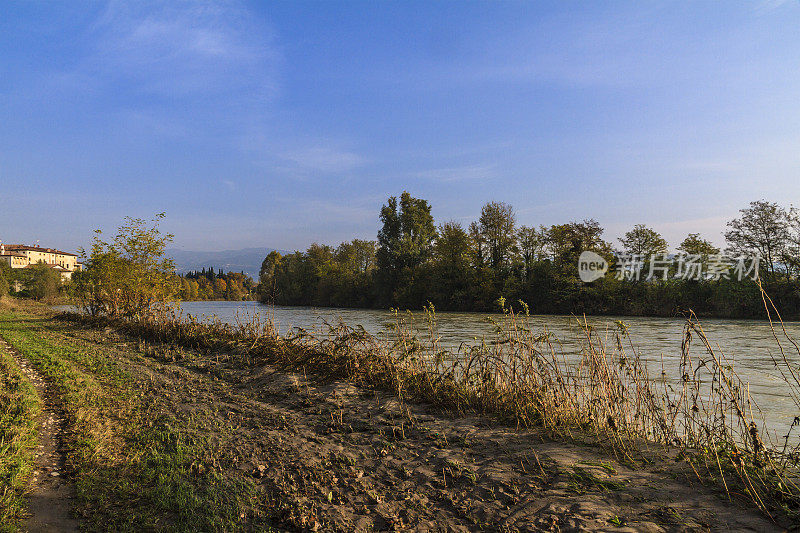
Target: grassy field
[
  {"x": 162, "y": 436},
  {"x": 136, "y": 462},
  {"x": 19, "y": 407}
]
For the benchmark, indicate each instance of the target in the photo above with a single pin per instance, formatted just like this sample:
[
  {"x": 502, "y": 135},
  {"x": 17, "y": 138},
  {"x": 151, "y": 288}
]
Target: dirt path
[{"x": 51, "y": 496}]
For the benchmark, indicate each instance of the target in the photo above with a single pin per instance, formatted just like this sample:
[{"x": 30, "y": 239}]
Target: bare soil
[{"x": 330, "y": 456}]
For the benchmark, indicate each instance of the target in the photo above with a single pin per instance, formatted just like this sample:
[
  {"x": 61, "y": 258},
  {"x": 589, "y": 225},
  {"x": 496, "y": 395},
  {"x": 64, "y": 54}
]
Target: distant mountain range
[{"x": 247, "y": 260}]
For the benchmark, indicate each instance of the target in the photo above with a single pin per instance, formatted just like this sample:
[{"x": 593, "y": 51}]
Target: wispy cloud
[
  {"x": 184, "y": 48},
  {"x": 767, "y": 6}
]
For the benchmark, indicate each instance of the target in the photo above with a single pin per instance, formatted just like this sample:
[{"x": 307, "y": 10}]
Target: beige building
[{"x": 22, "y": 256}]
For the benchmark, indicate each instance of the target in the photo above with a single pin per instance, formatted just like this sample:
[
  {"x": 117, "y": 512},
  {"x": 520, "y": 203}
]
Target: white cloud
[{"x": 185, "y": 48}]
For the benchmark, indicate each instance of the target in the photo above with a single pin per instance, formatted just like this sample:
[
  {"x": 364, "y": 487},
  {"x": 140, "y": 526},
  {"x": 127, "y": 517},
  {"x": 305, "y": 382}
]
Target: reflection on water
[{"x": 749, "y": 344}]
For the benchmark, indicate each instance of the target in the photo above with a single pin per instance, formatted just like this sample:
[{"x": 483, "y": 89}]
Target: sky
[{"x": 279, "y": 124}]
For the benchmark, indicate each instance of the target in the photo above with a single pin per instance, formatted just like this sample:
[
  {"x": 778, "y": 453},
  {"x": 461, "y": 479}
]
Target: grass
[
  {"x": 137, "y": 465},
  {"x": 583, "y": 480},
  {"x": 19, "y": 409}
]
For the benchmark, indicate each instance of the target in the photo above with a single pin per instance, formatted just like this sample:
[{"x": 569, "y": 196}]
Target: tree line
[
  {"x": 210, "y": 285},
  {"x": 415, "y": 262}
]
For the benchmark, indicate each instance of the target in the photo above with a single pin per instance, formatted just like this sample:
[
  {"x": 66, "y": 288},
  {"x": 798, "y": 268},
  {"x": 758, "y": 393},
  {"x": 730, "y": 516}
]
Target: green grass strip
[
  {"x": 19, "y": 408},
  {"x": 135, "y": 463}
]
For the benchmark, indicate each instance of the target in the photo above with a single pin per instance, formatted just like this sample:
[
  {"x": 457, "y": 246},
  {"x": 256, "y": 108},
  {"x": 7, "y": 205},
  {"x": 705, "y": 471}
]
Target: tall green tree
[
  {"x": 357, "y": 256},
  {"x": 566, "y": 242},
  {"x": 643, "y": 241},
  {"x": 266, "y": 276},
  {"x": 477, "y": 245},
  {"x": 404, "y": 240},
  {"x": 791, "y": 253},
  {"x": 693, "y": 244},
  {"x": 532, "y": 243},
  {"x": 762, "y": 229},
  {"x": 497, "y": 227},
  {"x": 452, "y": 270},
  {"x": 452, "y": 247}
]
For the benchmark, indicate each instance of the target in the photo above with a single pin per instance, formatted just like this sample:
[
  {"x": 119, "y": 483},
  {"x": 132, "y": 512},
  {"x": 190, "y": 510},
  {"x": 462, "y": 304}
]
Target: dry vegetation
[
  {"x": 700, "y": 411},
  {"x": 177, "y": 424}
]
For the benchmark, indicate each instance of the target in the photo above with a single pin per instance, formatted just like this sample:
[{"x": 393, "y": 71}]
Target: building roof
[{"x": 23, "y": 247}]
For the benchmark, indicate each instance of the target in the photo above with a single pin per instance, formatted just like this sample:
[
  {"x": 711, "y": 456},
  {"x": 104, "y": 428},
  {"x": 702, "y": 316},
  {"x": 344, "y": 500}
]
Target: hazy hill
[{"x": 247, "y": 260}]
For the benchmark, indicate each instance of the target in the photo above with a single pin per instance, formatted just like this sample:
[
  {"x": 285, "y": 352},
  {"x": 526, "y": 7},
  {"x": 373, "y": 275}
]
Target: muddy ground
[{"x": 330, "y": 456}]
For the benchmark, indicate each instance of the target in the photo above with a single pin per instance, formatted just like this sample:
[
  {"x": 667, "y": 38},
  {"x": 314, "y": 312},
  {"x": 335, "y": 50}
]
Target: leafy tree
[
  {"x": 452, "y": 277},
  {"x": 478, "y": 242},
  {"x": 404, "y": 240},
  {"x": 297, "y": 276},
  {"x": 239, "y": 286},
  {"x": 452, "y": 247},
  {"x": 791, "y": 254},
  {"x": 693, "y": 244},
  {"x": 643, "y": 241},
  {"x": 205, "y": 289},
  {"x": 266, "y": 276},
  {"x": 5, "y": 276},
  {"x": 532, "y": 244},
  {"x": 357, "y": 255},
  {"x": 191, "y": 290},
  {"x": 318, "y": 255},
  {"x": 763, "y": 229},
  {"x": 130, "y": 275},
  {"x": 292, "y": 280},
  {"x": 44, "y": 282},
  {"x": 220, "y": 288},
  {"x": 566, "y": 242},
  {"x": 496, "y": 227}
]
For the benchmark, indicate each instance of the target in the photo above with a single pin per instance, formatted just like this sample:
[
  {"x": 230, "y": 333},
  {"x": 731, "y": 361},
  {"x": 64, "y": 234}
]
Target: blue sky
[{"x": 279, "y": 124}]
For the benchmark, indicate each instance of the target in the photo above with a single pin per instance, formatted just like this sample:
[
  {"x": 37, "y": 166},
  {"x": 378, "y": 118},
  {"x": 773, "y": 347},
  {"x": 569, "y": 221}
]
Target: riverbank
[{"x": 161, "y": 436}]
